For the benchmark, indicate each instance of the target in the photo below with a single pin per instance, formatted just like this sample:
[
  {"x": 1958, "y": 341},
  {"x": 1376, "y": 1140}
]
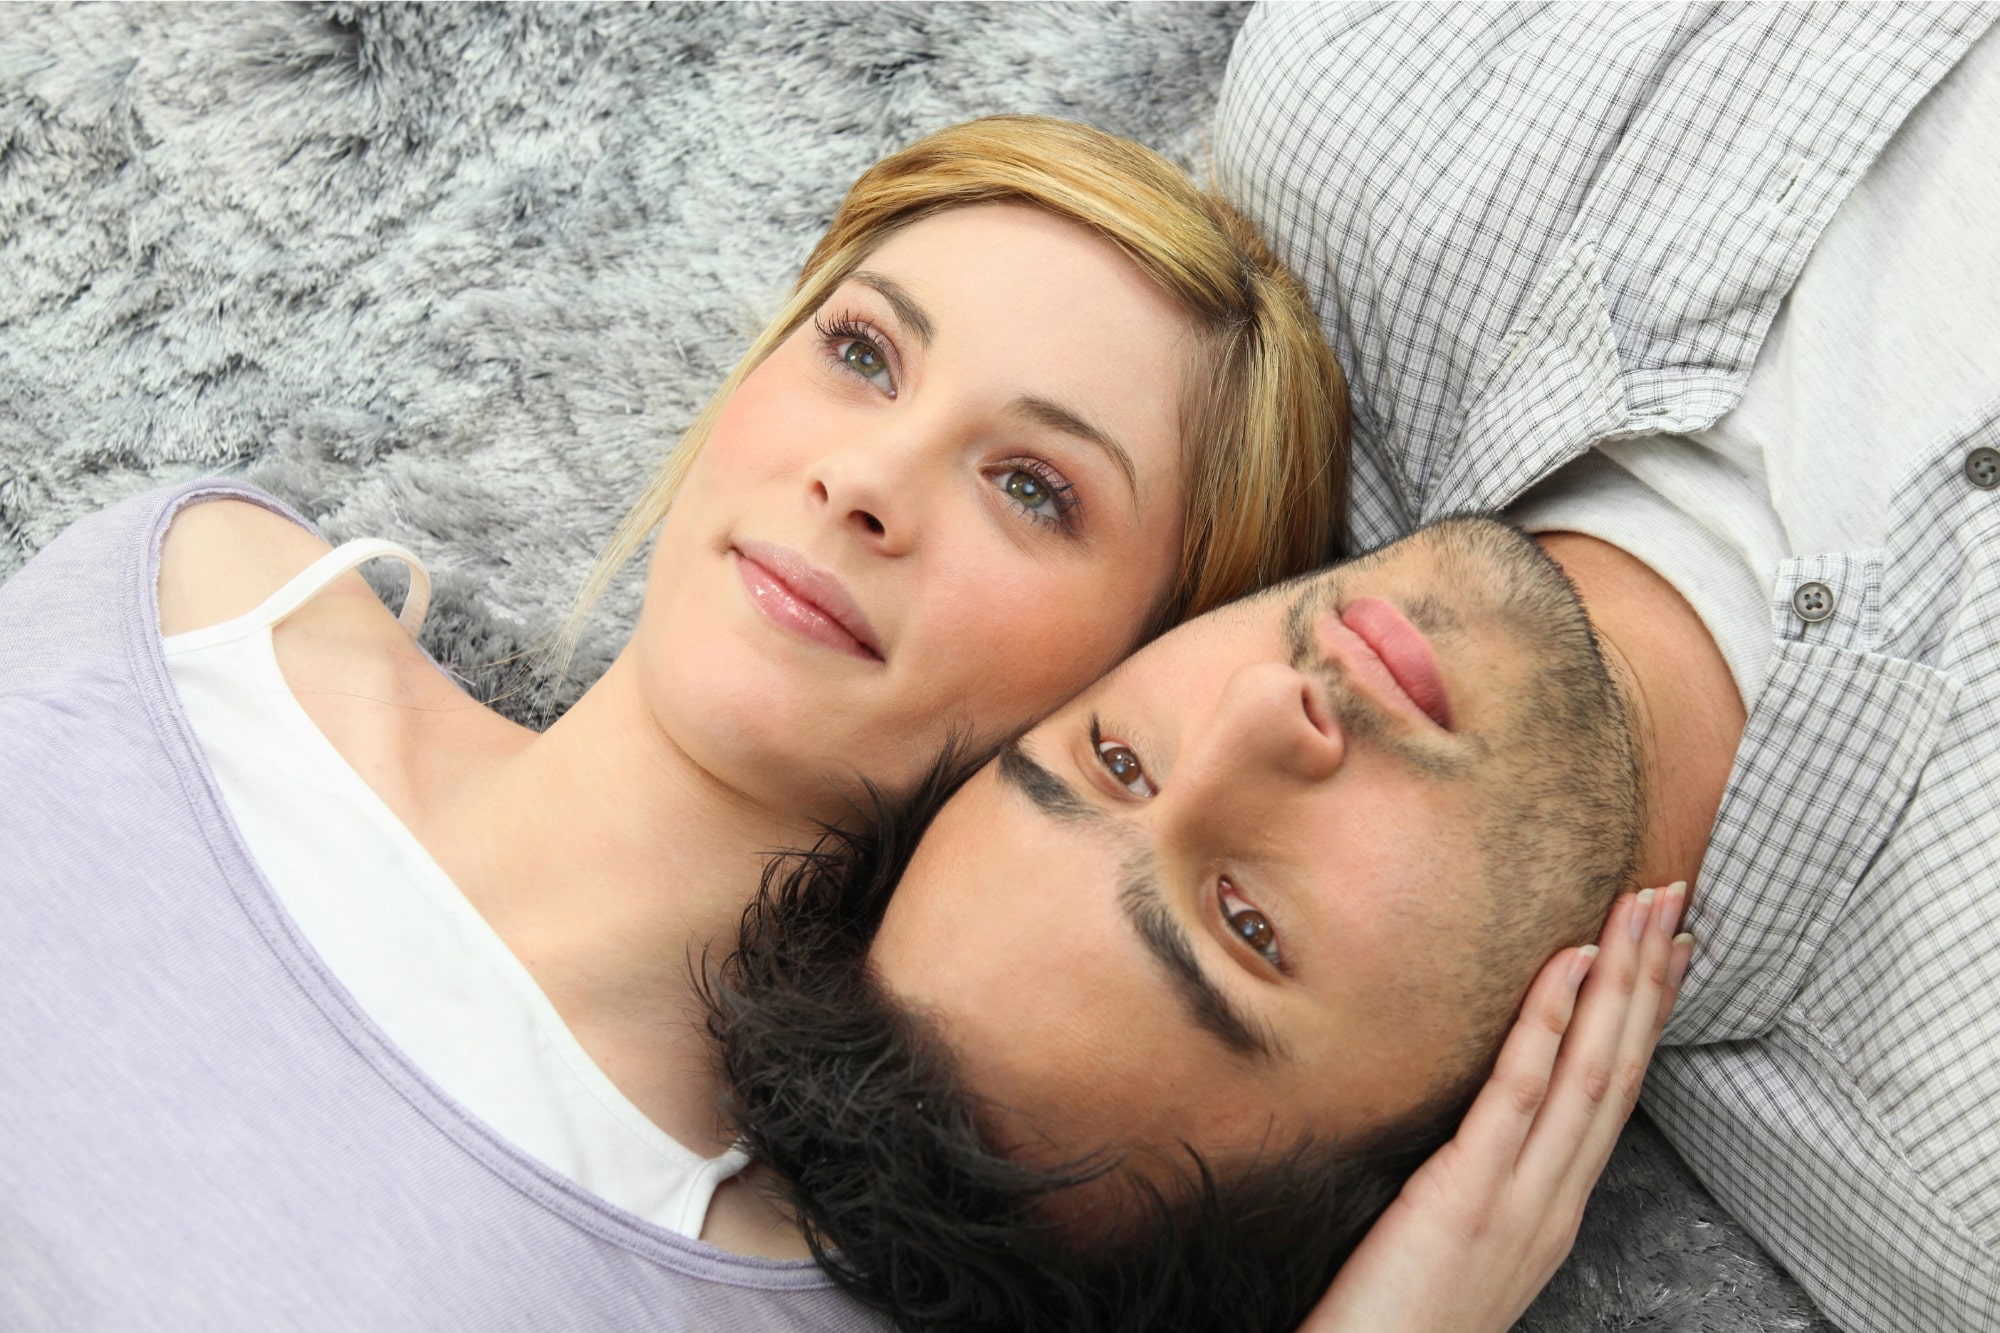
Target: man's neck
[{"x": 1685, "y": 706}]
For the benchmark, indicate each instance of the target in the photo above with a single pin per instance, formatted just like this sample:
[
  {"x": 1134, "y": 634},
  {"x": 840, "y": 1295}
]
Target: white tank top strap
[{"x": 308, "y": 582}]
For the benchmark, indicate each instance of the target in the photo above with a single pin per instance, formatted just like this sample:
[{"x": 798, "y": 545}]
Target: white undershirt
[
  {"x": 397, "y": 933},
  {"x": 1889, "y": 338}
]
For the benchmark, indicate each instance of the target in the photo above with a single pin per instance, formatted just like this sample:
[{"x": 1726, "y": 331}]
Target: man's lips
[
  {"x": 806, "y": 601},
  {"x": 1386, "y": 649}
]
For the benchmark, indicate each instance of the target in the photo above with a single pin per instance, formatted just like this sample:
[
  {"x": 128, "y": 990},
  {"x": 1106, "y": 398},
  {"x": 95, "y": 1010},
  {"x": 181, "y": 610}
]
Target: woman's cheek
[
  {"x": 1046, "y": 642},
  {"x": 757, "y": 434}
]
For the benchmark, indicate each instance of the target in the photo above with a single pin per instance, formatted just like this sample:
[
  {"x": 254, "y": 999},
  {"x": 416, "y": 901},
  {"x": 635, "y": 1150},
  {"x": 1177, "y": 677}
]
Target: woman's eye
[
  {"x": 1124, "y": 767},
  {"x": 866, "y": 360},
  {"x": 1028, "y": 489},
  {"x": 1040, "y": 493},
  {"x": 1250, "y": 925},
  {"x": 858, "y": 348}
]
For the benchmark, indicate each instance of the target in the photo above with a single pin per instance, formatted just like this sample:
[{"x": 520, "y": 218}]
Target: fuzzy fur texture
[{"x": 459, "y": 275}]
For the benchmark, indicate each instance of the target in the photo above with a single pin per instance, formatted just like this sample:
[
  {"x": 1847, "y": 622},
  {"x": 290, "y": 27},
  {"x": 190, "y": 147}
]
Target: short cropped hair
[{"x": 858, "y": 1104}]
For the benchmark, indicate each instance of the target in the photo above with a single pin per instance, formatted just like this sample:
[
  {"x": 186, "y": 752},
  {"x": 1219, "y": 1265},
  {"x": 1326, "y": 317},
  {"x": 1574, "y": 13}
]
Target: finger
[
  {"x": 1655, "y": 985},
  {"x": 1500, "y": 1117},
  {"x": 1676, "y": 973},
  {"x": 1587, "y": 1066},
  {"x": 1640, "y": 1031}
]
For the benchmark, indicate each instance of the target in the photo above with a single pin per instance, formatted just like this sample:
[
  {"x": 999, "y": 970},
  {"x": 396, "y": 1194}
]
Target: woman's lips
[{"x": 806, "y": 601}]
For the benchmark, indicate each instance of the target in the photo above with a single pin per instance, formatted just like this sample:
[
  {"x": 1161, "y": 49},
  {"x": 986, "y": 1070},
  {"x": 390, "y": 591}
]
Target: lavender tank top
[{"x": 198, "y": 1127}]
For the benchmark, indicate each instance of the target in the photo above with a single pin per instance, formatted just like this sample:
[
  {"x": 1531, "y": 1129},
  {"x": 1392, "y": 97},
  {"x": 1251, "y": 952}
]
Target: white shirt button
[
  {"x": 1982, "y": 468},
  {"x": 1813, "y": 602}
]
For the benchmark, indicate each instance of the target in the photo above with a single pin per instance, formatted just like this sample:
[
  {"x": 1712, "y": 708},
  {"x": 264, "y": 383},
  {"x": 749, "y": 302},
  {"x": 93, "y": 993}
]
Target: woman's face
[{"x": 939, "y": 508}]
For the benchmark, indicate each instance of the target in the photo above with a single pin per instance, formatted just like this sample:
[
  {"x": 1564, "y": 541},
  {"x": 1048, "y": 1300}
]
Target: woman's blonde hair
[{"x": 1265, "y": 429}]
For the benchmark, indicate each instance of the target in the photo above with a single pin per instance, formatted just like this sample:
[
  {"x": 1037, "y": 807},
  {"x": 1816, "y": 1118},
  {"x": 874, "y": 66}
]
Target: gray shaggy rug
[{"x": 458, "y": 276}]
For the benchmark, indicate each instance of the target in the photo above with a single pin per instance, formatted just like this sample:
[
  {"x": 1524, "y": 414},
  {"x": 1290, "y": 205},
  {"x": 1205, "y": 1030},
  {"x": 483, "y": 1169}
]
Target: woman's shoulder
[
  {"x": 223, "y": 557},
  {"x": 360, "y": 676}
]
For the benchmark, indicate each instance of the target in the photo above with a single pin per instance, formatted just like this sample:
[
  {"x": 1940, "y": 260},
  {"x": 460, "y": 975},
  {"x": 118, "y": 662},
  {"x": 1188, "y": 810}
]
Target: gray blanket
[{"x": 458, "y": 276}]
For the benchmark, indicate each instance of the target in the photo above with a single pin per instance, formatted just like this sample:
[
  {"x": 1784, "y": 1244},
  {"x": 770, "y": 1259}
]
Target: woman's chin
[
  {"x": 794, "y": 728},
  {"x": 799, "y": 752}
]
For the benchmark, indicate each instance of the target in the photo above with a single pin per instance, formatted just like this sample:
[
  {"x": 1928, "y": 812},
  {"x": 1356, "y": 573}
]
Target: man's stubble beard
[{"x": 1558, "y": 807}]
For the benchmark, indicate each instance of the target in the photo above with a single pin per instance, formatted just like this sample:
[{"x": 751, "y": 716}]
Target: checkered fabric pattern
[
  {"x": 1836, "y": 1073},
  {"x": 1532, "y": 229}
]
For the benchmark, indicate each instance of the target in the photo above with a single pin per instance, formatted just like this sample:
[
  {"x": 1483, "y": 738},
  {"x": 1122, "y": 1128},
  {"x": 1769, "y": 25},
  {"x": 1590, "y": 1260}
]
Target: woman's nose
[
  {"x": 874, "y": 487},
  {"x": 1270, "y": 735}
]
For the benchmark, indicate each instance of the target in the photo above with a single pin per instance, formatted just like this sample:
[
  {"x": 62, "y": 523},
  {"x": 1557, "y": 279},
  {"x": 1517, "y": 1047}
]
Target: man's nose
[
  {"x": 879, "y": 484},
  {"x": 1271, "y": 735}
]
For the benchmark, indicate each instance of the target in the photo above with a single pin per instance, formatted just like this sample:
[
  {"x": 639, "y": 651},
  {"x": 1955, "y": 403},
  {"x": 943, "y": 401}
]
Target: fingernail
[
  {"x": 1682, "y": 957},
  {"x": 1641, "y": 913},
  {"x": 1671, "y": 909},
  {"x": 1579, "y": 966}
]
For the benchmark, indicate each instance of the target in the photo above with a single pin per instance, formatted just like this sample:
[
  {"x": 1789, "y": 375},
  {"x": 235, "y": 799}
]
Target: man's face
[{"x": 1286, "y": 867}]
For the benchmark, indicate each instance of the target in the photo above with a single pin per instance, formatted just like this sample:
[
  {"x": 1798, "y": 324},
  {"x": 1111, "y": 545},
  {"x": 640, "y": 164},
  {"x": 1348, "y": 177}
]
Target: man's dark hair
[{"x": 857, "y": 1103}]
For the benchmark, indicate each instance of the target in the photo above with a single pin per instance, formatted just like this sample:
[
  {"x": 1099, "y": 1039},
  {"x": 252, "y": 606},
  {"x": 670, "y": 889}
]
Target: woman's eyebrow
[
  {"x": 1032, "y": 407},
  {"x": 908, "y": 312},
  {"x": 1057, "y": 417}
]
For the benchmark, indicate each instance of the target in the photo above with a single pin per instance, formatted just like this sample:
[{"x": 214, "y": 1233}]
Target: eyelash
[
  {"x": 1062, "y": 494},
  {"x": 851, "y": 328},
  {"x": 1232, "y": 916},
  {"x": 1103, "y": 749},
  {"x": 842, "y": 330}
]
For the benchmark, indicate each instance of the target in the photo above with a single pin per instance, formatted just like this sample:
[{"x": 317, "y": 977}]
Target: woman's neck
[{"x": 611, "y": 864}]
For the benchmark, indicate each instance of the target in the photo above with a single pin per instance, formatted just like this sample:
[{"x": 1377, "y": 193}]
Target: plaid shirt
[{"x": 1532, "y": 229}]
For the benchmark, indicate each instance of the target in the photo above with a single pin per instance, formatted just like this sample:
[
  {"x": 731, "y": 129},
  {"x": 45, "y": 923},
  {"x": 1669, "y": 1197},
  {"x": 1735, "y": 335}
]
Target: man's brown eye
[
  {"x": 1253, "y": 929},
  {"x": 1249, "y": 925},
  {"x": 1124, "y": 767}
]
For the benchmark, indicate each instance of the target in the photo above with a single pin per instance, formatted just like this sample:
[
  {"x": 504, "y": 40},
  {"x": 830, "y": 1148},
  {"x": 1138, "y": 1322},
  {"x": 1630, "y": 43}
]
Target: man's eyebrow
[
  {"x": 1057, "y": 417},
  {"x": 1146, "y": 907},
  {"x": 1048, "y": 793},
  {"x": 908, "y": 312}
]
